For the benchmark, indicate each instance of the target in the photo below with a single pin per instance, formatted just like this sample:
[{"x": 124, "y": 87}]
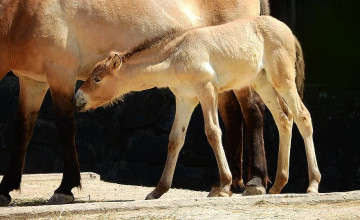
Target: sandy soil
[{"x": 103, "y": 200}]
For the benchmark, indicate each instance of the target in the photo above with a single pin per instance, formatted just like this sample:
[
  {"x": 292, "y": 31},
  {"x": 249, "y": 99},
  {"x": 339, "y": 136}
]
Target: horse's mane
[{"x": 152, "y": 42}]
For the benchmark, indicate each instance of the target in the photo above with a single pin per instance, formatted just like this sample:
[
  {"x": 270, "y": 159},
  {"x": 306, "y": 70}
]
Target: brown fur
[
  {"x": 236, "y": 124},
  {"x": 300, "y": 68},
  {"x": 52, "y": 43},
  {"x": 151, "y": 42}
]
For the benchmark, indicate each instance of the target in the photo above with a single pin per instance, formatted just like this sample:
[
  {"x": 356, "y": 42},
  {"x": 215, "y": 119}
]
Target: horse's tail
[
  {"x": 264, "y": 7},
  {"x": 300, "y": 68}
]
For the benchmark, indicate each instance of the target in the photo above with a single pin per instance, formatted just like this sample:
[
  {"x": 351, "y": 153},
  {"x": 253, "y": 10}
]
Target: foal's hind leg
[
  {"x": 184, "y": 109},
  {"x": 253, "y": 109},
  {"x": 303, "y": 121},
  {"x": 30, "y": 99},
  {"x": 283, "y": 119},
  {"x": 207, "y": 94}
]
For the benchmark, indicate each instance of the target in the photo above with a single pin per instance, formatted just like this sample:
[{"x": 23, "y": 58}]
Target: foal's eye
[{"x": 97, "y": 79}]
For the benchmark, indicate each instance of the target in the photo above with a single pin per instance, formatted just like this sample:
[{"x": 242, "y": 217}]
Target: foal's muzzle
[{"x": 79, "y": 101}]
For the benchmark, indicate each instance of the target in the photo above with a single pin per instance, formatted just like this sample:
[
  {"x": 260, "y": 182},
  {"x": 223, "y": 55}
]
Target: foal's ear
[{"x": 116, "y": 61}]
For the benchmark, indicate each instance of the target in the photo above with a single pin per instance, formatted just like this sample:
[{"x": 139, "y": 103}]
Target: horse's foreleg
[
  {"x": 184, "y": 109},
  {"x": 2, "y": 74},
  {"x": 283, "y": 119},
  {"x": 231, "y": 115},
  {"x": 207, "y": 95},
  {"x": 62, "y": 92},
  {"x": 253, "y": 110},
  {"x": 30, "y": 98}
]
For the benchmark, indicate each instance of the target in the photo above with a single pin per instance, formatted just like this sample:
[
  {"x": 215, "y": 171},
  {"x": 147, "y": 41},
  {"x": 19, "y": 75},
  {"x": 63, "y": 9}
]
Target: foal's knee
[
  {"x": 286, "y": 120},
  {"x": 213, "y": 134},
  {"x": 175, "y": 141},
  {"x": 304, "y": 123}
]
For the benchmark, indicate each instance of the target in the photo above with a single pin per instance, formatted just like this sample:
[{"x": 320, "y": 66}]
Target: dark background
[{"x": 128, "y": 142}]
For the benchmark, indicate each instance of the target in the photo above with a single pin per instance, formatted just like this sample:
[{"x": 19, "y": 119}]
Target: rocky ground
[{"x": 104, "y": 200}]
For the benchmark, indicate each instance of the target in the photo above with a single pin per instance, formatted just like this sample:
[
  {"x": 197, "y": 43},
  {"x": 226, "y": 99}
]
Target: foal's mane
[{"x": 152, "y": 42}]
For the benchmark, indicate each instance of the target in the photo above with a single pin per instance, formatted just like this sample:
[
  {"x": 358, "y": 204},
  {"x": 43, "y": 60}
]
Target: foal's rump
[{"x": 281, "y": 36}]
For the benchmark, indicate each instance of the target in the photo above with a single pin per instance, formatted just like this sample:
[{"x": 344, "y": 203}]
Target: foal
[{"x": 201, "y": 63}]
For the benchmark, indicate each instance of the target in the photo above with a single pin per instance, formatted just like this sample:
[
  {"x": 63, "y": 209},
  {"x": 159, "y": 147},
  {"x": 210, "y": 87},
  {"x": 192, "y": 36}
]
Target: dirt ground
[{"x": 103, "y": 200}]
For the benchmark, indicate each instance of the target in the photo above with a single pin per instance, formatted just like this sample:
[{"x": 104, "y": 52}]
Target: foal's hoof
[
  {"x": 313, "y": 187},
  {"x": 312, "y": 190},
  {"x": 225, "y": 194},
  {"x": 254, "y": 187},
  {"x": 58, "y": 199},
  {"x": 4, "y": 201},
  {"x": 215, "y": 191},
  {"x": 274, "y": 190}
]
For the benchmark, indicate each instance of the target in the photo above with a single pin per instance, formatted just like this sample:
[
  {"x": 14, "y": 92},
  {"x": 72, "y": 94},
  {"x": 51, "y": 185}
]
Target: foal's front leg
[
  {"x": 184, "y": 109},
  {"x": 208, "y": 95}
]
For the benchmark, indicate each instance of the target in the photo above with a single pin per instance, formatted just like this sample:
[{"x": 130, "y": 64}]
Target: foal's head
[{"x": 103, "y": 85}]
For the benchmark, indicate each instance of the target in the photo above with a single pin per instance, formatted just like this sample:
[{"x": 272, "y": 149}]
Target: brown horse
[
  {"x": 51, "y": 44},
  {"x": 200, "y": 64}
]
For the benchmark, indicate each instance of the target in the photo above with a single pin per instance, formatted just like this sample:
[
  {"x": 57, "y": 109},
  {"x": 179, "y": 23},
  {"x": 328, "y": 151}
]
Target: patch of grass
[
  {"x": 262, "y": 202},
  {"x": 28, "y": 202}
]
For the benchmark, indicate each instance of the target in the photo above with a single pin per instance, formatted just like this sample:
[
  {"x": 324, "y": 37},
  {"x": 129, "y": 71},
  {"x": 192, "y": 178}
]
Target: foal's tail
[
  {"x": 300, "y": 68},
  {"x": 264, "y": 7}
]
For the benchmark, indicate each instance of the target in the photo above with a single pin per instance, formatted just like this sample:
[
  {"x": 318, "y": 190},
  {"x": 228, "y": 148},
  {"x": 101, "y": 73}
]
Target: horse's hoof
[
  {"x": 153, "y": 195},
  {"x": 254, "y": 187},
  {"x": 150, "y": 197},
  {"x": 58, "y": 199},
  {"x": 4, "y": 201},
  {"x": 254, "y": 190},
  {"x": 215, "y": 191}
]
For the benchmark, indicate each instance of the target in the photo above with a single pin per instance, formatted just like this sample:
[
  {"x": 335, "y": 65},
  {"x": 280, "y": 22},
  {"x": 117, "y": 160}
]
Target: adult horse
[{"x": 50, "y": 44}]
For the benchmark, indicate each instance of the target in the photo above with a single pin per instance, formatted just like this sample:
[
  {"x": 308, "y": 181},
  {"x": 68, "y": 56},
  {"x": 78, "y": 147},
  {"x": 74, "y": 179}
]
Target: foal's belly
[{"x": 237, "y": 76}]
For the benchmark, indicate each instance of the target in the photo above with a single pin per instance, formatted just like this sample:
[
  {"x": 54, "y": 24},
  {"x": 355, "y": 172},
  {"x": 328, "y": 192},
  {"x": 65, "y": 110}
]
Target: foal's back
[{"x": 237, "y": 51}]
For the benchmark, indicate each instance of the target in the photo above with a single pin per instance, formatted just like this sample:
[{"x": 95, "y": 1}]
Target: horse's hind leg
[
  {"x": 184, "y": 109},
  {"x": 283, "y": 119},
  {"x": 303, "y": 121},
  {"x": 231, "y": 115},
  {"x": 30, "y": 99},
  {"x": 207, "y": 94},
  {"x": 253, "y": 110}
]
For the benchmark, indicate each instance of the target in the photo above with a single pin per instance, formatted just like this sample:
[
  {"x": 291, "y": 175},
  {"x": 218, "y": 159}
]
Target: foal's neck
[
  {"x": 147, "y": 75},
  {"x": 150, "y": 65}
]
